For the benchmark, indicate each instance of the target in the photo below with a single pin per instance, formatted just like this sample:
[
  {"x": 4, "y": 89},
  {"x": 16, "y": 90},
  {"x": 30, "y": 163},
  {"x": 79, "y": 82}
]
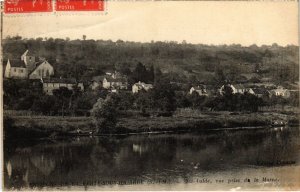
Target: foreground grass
[{"x": 47, "y": 126}]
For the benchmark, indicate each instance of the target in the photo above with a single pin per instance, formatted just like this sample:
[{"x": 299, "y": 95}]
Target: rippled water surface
[{"x": 264, "y": 159}]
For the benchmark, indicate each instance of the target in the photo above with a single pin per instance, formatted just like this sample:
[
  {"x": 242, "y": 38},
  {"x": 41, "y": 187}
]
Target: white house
[
  {"x": 280, "y": 91},
  {"x": 15, "y": 69},
  {"x": 114, "y": 83},
  {"x": 141, "y": 86},
  {"x": 200, "y": 90},
  {"x": 42, "y": 70},
  {"x": 237, "y": 88}
]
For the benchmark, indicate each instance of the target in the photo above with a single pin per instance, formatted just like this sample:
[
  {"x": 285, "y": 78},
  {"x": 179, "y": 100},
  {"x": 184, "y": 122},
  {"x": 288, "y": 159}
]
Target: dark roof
[
  {"x": 110, "y": 79},
  {"x": 37, "y": 64},
  {"x": 260, "y": 91},
  {"x": 60, "y": 80},
  {"x": 110, "y": 71},
  {"x": 199, "y": 87},
  {"x": 239, "y": 86},
  {"x": 98, "y": 78},
  {"x": 17, "y": 63}
]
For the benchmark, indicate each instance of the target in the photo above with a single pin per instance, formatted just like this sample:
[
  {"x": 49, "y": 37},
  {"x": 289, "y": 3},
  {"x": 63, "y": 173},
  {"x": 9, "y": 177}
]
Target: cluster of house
[
  {"x": 37, "y": 68},
  {"x": 242, "y": 89},
  {"x": 114, "y": 81},
  {"x": 28, "y": 67}
]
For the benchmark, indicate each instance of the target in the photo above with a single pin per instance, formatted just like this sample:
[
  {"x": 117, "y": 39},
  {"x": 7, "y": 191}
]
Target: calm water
[{"x": 157, "y": 162}]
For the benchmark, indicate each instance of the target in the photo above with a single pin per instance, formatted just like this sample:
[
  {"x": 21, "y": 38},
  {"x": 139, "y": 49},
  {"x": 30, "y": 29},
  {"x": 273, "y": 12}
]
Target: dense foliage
[
  {"x": 182, "y": 61},
  {"x": 172, "y": 67},
  {"x": 105, "y": 114}
]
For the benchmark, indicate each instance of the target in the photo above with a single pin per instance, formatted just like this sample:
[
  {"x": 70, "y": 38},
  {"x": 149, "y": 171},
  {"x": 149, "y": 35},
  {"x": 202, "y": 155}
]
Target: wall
[
  {"x": 18, "y": 72},
  {"x": 42, "y": 71}
]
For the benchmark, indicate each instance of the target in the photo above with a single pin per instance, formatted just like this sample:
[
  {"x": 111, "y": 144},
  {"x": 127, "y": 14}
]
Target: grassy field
[{"x": 182, "y": 120}]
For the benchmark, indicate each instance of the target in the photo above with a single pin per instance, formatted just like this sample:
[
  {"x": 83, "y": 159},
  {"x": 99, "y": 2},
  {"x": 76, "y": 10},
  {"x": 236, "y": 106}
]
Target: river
[{"x": 217, "y": 160}]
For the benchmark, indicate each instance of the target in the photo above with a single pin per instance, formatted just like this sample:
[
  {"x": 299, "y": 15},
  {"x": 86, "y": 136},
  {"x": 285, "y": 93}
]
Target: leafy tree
[
  {"x": 44, "y": 104},
  {"x": 63, "y": 95},
  {"x": 220, "y": 76},
  {"x": 181, "y": 100},
  {"x": 163, "y": 95},
  {"x": 105, "y": 115},
  {"x": 143, "y": 101},
  {"x": 126, "y": 100},
  {"x": 84, "y": 102},
  {"x": 196, "y": 100},
  {"x": 140, "y": 73}
]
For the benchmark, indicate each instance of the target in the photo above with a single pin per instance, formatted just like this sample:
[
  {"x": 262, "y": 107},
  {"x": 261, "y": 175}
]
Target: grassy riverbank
[{"x": 50, "y": 126}]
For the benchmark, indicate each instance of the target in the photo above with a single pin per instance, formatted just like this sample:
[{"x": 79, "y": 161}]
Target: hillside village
[
  {"x": 33, "y": 67},
  {"x": 33, "y": 80}
]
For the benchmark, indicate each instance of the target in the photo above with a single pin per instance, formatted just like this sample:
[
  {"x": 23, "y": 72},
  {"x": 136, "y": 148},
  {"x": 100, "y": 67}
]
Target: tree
[
  {"x": 140, "y": 73},
  {"x": 63, "y": 95},
  {"x": 157, "y": 75},
  {"x": 105, "y": 115},
  {"x": 196, "y": 100},
  {"x": 227, "y": 91},
  {"x": 181, "y": 100},
  {"x": 143, "y": 101},
  {"x": 219, "y": 76},
  {"x": 44, "y": 104},
  {"x": 84, "y": 102},
  {"x": 151, "y": 74},
  {"x": 163, "y": 95}
]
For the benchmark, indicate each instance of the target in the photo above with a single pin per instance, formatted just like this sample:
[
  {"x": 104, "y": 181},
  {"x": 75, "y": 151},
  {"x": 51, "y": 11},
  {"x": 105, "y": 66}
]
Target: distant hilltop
[{"x": 183, "y": 62}]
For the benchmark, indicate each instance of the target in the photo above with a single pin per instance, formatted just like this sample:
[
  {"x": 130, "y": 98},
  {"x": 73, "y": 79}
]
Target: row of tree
[{"x": 163, "y": 99}]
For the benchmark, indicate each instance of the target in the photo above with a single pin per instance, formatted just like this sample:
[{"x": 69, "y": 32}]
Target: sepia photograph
[{"x": 150, "y": 95}]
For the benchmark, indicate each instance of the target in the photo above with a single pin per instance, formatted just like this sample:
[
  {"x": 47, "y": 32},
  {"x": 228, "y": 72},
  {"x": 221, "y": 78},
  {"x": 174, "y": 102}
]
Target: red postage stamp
[
  {"x": 27, "y": 6},
  {"x": 80, "y": 5}
]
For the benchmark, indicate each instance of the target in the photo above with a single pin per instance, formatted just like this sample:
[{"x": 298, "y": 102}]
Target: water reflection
[{"x": 175, "y": 157}]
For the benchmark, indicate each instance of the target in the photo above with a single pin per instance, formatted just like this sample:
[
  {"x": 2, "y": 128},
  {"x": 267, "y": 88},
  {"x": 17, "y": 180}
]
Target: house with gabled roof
[
  {"x": 15, "y": 69},
  {"x": 42, "y": 69},
  {"x": 280, "y": 91},
  {"x": 236, "y": 88},
  {"x": 114, "y": 83},
  {"x": 28, "y": 66},
  {"x": 200, "y": 90},
  {"x": 141, "y": 86}
]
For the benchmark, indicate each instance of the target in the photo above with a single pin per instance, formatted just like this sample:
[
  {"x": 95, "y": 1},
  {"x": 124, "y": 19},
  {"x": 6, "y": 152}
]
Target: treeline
[
  {"x": 162, "y": 100},
  {"x": 26, "y": 95},
  {"x": 182, "y": 61}
]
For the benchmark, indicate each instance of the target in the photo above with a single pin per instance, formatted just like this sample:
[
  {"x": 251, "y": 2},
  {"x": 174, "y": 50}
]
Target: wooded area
[{"x": 182, "y": 62}]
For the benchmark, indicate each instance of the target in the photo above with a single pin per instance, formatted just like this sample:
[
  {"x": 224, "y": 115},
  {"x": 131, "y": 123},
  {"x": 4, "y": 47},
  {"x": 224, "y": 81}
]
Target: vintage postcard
[{"x": 150, "y": 95}]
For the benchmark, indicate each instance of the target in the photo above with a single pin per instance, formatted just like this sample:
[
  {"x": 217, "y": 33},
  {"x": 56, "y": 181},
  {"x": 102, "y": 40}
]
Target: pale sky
[{"x": 206, "y": 22}]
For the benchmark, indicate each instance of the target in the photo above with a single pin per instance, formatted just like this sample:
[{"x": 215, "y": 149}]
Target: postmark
[
  {"x": 80, "y": 5},
  {"x": 27, "y": 6}
]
